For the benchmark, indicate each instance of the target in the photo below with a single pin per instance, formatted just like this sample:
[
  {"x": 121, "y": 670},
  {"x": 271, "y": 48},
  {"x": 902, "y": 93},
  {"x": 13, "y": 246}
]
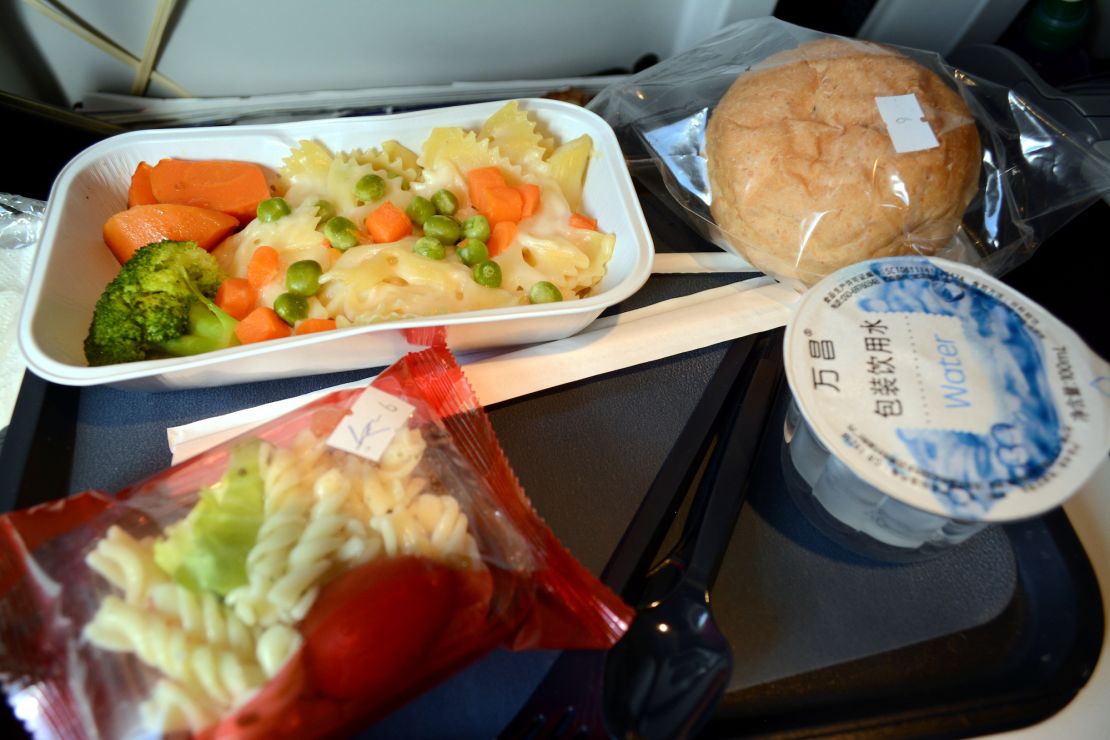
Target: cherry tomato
[
  {"x": 372, "y": 639},
  {"x": 369, "y": 627}
]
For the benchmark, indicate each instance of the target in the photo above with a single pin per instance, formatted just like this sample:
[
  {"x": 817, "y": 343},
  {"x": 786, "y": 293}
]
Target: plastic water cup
[{"x": 930, "y": 401}]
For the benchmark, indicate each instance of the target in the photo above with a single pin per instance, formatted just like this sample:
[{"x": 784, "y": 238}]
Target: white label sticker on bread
[
  {"x": 906, "y": 124},
  {"x": 375, "y": 419}
]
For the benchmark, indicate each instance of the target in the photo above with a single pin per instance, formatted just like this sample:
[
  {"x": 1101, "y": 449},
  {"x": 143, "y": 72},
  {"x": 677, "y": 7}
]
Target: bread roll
[{"x": 803, "y": 173}]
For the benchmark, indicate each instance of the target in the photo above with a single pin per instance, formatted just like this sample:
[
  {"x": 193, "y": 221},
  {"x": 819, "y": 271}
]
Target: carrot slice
[
  {"x": 127, "y": 231},
  {"x": 310, "y": 326},
  {"x": 237, "y": 297},
  {"x": 501, "y": 237},
  {"x": 578, "y": 221},
  {"x": 222, "y": 184},
  {"x": 479, "y": 180},
  {"x": 261, "y": 324},
  {"x": 502, "y": 203},
  {"x": 140, "y": 193},
  {"x": 531, "y": 196},
  {"x": 388, "y": 223},
  {"x": 263, "y": 267}
]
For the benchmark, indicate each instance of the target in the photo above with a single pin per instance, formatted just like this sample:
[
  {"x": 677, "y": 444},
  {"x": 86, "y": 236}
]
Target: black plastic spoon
[{"x": 669, "y": 671}]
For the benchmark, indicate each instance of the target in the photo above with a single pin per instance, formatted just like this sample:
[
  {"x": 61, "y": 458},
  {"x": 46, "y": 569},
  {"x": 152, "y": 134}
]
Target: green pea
[
  {"x": 420, "y": 209},
  {"x": 476, "y": 227},
  {"x": 428, "y": 247},
  {"x": 444, "y": 228},
  {"x": 544, "y": 292},
  {"x": 445, "y": 202},
  {"x": 272, "y": 209},
  {"x": 303, "y": 277},
  {"x": 472, "y": 251},
  {"x": 369, "y": 187},
  {"x": 291, "y": 307},
  {"x": 325, "y": 211},
  {"x": 487, "y": 273},
  {"x": 341, "y": 232}
]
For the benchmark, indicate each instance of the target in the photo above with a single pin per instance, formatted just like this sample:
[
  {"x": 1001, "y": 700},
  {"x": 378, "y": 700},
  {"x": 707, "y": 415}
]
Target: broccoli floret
[
  {"x": 209, "y": 328},
  {"x": 160, "y": 305}
]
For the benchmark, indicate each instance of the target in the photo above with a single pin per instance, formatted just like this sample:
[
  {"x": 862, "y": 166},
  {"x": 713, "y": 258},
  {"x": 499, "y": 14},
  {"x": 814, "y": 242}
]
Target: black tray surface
[{"x": 1000, "y": 632}]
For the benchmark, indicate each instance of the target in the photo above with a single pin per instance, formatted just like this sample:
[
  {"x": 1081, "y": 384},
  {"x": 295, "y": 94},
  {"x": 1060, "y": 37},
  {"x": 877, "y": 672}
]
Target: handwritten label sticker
[
  {"x": 374, "y": 420},
  {"x": 906, "y": 124}
]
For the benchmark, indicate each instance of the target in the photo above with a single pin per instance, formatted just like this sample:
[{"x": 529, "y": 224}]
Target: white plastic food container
[
  {"x": 73, "y": 265},
  {"x": 931, "y": 400}
]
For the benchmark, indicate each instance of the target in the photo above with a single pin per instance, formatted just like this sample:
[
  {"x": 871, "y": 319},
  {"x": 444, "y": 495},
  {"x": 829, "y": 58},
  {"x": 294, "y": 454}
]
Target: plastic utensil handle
[
  {"x": 629, "y": 562},
  {"x": 724, "y": 485}
]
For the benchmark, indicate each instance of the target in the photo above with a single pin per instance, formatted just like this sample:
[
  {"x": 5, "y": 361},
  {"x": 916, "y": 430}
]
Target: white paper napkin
[
  {"x": 15, "y": 270},
  {"x": 20, "y": 223}
]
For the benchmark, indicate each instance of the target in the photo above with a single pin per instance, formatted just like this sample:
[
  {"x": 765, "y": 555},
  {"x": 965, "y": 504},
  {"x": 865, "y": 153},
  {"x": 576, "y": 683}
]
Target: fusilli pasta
[
  {"x": 219, "y": 674},
  {"x": 172, "y": 708},
  {"x": 126, "y": 563},
  {"x": 203, "y": 617}
]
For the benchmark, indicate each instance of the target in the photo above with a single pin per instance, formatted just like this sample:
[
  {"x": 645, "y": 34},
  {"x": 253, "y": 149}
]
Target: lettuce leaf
[{"x": 207, "y": 550}]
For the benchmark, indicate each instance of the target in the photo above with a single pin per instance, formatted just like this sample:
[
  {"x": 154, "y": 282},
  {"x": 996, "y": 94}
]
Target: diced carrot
[
  {"x": 310, "y": 326},
  {"x": 225, "y": 185},
  {"x": 261, "y": 324},
  {"x": 263, "y": 267},
  {"x": 127, "y": 231},
  {"x": 237, "y": 297},
  {"x": 501, "y": 237},
  {"x": 578, "y": 221},
  {"x": 484, "y": 177},
  {"x": 140, "y": 194},
  {"x": 531, "y": 195},
  {"x": 388, "y": 223},
  {"x": 479, "y": 180},
  {"x": 502, "y": 203}
]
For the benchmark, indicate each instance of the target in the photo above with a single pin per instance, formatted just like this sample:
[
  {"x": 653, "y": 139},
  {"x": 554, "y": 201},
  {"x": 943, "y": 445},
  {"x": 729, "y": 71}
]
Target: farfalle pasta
[
  {"x": 534, "y": 236},
  {"x": 287, "y": 583}
]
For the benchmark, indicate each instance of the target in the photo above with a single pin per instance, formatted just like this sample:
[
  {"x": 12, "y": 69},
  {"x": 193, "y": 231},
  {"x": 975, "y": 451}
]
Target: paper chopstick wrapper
[
  {"x": 698, "y": 262},
  {"x": 191, "y": 439},
  {"x": 611, "y": 343}
]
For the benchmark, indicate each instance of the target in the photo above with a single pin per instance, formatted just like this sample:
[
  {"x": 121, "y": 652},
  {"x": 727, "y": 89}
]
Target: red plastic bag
[{"x": 280, "y": 586}]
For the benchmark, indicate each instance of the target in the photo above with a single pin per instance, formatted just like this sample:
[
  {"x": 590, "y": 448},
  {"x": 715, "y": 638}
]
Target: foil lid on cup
[{"x": 947, "y": 390}]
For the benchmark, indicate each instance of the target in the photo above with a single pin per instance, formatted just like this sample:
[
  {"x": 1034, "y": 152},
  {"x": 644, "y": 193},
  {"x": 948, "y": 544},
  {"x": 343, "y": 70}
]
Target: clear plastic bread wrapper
[
  {"x": 20, "y": 220},
  {"x": 805, "y": 152},
  {"x": 300, "y": 580}
]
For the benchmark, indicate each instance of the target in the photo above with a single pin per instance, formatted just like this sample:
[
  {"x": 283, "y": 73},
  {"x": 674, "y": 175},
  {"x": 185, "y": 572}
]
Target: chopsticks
[{"x": 81, "y": 28}]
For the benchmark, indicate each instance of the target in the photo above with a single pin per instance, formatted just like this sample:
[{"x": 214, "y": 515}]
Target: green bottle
[{"x": 1058, "y": 25}]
